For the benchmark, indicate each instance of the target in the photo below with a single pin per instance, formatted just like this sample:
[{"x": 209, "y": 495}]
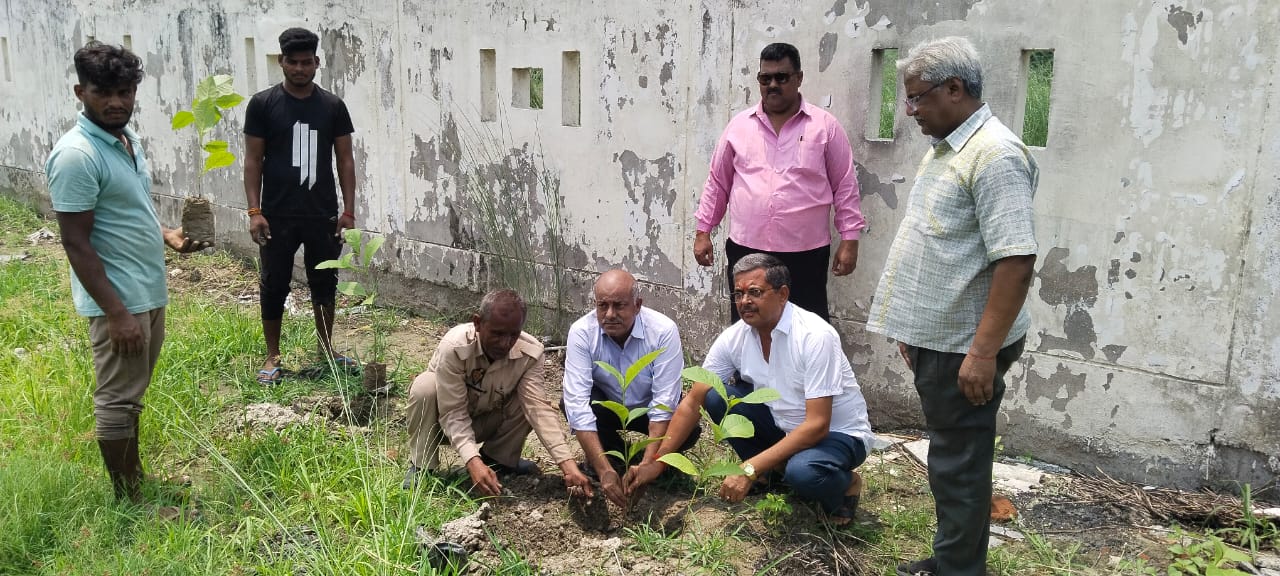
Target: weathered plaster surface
[{"x": 1155, "y": 349}]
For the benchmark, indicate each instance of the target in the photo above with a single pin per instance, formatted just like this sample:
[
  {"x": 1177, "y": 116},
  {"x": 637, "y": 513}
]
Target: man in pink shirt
[{"x": 778, "y": 169}]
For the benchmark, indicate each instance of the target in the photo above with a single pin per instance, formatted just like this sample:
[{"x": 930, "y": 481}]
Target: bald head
[
  {"x": 617, "y": 303},
  {"x": 616, "y": 282}
]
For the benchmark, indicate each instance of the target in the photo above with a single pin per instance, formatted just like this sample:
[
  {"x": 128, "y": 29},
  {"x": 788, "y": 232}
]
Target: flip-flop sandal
[
  {"x": 351, "y": 364},
  {"x": 270, "y": 377},
  {"x": 843, "y": 515}
]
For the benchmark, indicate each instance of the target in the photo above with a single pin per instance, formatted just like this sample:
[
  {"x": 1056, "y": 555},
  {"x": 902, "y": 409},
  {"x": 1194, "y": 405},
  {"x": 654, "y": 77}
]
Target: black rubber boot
[{"x": 119, "y": 457}]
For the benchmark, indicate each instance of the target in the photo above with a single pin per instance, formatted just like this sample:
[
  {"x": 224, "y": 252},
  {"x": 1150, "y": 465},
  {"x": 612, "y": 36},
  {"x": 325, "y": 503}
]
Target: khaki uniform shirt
[{"x": 469, "y": 385}]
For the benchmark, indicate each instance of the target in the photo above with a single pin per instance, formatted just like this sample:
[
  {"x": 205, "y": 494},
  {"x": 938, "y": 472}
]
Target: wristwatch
[{"x": 749, "y": 470}]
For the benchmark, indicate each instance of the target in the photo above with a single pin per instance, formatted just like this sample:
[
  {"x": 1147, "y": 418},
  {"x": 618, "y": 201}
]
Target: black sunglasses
[{"x": 780, "y": 77}]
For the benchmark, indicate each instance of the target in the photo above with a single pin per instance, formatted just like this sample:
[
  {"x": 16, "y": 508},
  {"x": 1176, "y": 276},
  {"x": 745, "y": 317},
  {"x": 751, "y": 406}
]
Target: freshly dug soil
[{"x": 197, "y": 219}]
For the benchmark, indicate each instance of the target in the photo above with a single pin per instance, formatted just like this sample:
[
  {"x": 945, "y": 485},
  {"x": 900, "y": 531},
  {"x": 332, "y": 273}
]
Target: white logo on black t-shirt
[{"x": 304, "y": 153}]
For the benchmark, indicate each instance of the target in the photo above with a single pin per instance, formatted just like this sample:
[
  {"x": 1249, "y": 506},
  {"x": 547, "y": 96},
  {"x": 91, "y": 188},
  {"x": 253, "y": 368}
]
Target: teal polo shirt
[{"x": 90, "y": 170}]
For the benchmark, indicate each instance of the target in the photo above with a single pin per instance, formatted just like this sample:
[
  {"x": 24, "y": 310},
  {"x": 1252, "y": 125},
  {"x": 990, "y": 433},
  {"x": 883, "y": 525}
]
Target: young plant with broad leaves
[
  {"x": 631, "y": 446},
  {"x": 359, "y": 262},
  {"x": 731, "y": 426},
  {"x": 213, "y": 95}
]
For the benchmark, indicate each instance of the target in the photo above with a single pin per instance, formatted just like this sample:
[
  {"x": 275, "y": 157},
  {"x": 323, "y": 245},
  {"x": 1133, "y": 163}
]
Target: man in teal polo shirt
[{"x": 100, "y": 185}]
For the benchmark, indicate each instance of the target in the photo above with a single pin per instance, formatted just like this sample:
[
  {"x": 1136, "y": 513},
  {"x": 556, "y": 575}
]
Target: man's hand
[
  {"x": 575, "y": 482},
  {"x": 177, "y": 240},
  {"x": 611, "y": 485},
  {"x": 259, "y": 230},
  {"x": 977, "y": 379},
  {"x": 846, "y": 259},
  {"x": 639, "y": 476},
  {"x": 345, "y": 222},
  {"x": 126, "y": 334},
  {"x": 702, "y": 248},
  {"x": 483, "y": 477},
  {"x": 734, "y": 488},
  {"x": 902, "y": 349}
]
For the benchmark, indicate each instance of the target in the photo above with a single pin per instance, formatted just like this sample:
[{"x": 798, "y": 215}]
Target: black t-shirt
[{"x": 297, "y": 172}]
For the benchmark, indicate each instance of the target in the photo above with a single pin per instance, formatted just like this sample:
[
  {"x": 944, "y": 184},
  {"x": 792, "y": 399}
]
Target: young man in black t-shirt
[{"x": 293, "y": 132}]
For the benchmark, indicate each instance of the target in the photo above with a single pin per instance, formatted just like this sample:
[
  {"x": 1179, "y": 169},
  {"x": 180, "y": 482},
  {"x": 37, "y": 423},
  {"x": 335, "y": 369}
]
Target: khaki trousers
[
  {"x": 117, "y": 398},
  {"x": 502, "y": 431}
]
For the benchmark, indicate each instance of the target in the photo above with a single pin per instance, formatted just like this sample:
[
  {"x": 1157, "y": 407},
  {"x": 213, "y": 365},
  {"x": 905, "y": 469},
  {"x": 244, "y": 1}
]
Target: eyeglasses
[
  {"x": 752, "y": 293},
  {"x": 913, "y": 103},
  {"x": 780, "y": 77}
]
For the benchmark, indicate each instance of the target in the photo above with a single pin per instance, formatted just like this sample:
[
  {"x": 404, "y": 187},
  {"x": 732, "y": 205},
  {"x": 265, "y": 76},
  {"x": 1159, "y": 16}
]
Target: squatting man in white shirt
[{"x": 816, "y": 433}]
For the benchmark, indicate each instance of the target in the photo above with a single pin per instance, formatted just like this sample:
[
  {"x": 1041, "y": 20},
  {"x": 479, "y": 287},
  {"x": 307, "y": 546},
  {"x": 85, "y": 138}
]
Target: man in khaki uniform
[{"x": 485, "y": 385}]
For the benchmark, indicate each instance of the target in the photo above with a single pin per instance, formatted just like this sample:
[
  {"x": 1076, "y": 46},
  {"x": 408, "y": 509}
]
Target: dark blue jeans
[{"x": 821, "y": 473}]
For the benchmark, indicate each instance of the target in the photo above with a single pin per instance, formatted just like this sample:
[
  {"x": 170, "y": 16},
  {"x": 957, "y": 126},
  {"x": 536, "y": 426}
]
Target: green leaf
[
  {"x": 352, "y": 237},
  {"x": 207, "y": 116},
  {"x": 641, "y": 363},
  {"x": 351, "y": 288},
  {"x": 722, "y": 469},
  {"x": 679, "y": 462},
  {"x": 205, "y": 89},
  {"x": 700, "y": 374},
  {"x": 636, "y": 413},
  {"x": 737, "y": 426},
  {"x": 761, "y": 396},
  {"x": 370, "y": 248},
  {"x": 616, "y": 374},
  {"x": 614, "y": 407},
  {"x": 228, "y": 101},
  {"x": 639, "y": 447},
  {"x": 219, "y": 160},
  {"x": 616, "y": 454},
  {"x": 223, "y": 85},
  {"x": 647, "y": 441},
  {"x": 182, "y": 119},
  {"x": 215, "y": 146},
  {"x": 330, "y": 264},
  {"x": 1233, "y": 555},
  {"x": 346, "y": 260}
]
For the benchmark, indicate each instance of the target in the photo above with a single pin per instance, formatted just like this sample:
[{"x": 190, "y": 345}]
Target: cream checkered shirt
[{"x": 970, "y": 206}]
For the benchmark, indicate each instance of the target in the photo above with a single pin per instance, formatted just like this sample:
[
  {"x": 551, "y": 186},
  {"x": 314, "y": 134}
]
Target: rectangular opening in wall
[
  {"x": 250, "y": 64},
  {"x": 4, "y": 58},
  {"x": 520, "y": 88},
  {"x": 488, "y": 85},
  {"x": 883, "y": 103},
  {"x": 275, "y": 74},
  {"x": 1037, "y": 68},
  {"x": 571, "y": 89},
  {"x": 535, "y": 88},
  {"x": 128, "y": 42}
]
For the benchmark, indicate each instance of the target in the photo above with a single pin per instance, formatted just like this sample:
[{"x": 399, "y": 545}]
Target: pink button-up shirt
[{"x": 779, "y": 188}]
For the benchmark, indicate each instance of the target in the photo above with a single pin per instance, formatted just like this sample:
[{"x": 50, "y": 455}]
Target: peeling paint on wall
[{"x": 1077, "y": 291}]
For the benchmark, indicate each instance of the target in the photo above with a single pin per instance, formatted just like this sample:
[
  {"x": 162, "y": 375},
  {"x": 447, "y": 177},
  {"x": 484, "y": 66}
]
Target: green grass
[
  {"x": 314, "y": 498},
  {"x": 1035, "y": 124},
  {"x": 888, "y": 91},
  {"x": 253, "y": 489}
]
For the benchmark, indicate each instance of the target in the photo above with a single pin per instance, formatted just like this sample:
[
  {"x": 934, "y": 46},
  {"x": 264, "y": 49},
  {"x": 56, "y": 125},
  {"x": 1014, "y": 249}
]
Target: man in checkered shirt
[{"x": 953, "y": 288}]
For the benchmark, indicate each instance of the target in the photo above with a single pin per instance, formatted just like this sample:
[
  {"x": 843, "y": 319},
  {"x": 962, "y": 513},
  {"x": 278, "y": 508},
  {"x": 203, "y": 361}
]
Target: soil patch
[{"x": 197, "y": 219}]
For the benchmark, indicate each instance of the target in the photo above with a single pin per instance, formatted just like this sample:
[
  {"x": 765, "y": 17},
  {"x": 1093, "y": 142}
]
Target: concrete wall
[{"x": 1154, "y": 352}]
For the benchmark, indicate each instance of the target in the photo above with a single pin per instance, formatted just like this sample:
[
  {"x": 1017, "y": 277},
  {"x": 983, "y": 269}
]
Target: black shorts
[{"x": 317, "y": 239}]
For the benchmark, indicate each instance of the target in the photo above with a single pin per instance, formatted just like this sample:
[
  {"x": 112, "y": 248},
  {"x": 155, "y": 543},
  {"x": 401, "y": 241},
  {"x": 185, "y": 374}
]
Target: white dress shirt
[
  {"x": 805, "y": 362},
  {"x": 658, "y": 384}
]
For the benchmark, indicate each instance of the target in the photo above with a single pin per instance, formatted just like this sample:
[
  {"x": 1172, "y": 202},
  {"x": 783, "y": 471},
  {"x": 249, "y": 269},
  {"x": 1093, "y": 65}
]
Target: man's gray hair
[
  {"x": 936, "y": 61},
  {"x": 775, "y": 272},
  {"x": 501, "y": 298}
]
